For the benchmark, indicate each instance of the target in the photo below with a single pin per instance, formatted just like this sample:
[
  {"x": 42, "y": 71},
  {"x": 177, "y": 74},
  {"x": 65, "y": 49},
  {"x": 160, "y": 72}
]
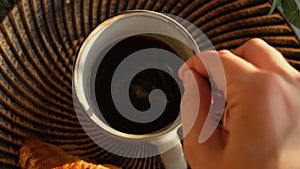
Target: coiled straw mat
[{"x": 39, "y": 40}]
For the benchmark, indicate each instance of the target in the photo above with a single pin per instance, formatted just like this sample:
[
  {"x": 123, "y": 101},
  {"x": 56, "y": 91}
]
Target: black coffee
[{"x": 141, "y": 85}]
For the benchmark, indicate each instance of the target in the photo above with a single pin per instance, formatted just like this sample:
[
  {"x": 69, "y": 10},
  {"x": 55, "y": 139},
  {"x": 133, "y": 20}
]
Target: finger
[
  {"x": 234, "y": 68},
  {"x": 264, "y": 56},
  {"x": 209, "y": 66},
  {"x": 237, "y": 70},
  {"x": 194, "y": 108},
  {"x": 190, "y": 102},
  {"x": 194, "y": 63}
]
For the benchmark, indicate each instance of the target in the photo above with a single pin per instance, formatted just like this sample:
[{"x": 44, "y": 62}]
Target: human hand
[{"x": 263, "y": 111}]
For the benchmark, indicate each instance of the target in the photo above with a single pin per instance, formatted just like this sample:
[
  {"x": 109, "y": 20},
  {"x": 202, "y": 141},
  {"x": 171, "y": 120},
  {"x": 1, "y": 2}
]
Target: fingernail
[
  {"x": 186, "y": 77},
  {"x": 181, "y": 70}
]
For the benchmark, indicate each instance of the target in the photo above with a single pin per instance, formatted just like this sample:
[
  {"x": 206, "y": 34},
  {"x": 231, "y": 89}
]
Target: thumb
[{"x": 190, "y": 102}]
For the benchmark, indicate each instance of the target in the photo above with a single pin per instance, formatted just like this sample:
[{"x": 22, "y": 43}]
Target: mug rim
[{"x": 85, "y": 47}]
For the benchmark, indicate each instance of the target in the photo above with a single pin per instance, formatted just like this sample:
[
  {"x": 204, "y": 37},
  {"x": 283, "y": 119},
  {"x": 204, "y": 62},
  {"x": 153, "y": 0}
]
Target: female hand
[{"x": 263, "y": 111}]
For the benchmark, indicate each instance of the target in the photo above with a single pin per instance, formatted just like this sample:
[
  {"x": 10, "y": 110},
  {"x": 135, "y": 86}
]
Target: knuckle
[
  {"x": 255, "y": 42},
  {"x": 224, "y": 53}
]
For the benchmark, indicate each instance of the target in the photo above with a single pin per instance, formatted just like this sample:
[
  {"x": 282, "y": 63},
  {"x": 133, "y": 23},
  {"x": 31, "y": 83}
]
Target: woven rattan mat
[{"x": 39, "y": 40}]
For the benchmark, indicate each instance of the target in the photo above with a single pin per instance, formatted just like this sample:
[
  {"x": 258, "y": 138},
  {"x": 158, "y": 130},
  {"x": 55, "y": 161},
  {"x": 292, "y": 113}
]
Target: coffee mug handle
[{"x": 174, "y": 158}]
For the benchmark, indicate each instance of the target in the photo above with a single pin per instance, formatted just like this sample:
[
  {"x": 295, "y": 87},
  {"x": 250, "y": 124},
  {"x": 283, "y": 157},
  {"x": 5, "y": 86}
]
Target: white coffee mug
[{"x": 166, "y": 141}]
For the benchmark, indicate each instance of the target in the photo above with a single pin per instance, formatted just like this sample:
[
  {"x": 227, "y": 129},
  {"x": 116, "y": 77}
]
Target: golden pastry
[{"x": 36, "y": 154}]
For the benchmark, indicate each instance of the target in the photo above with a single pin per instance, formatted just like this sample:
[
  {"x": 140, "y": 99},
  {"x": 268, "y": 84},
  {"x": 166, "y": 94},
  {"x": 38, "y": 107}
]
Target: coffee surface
[{"x": 141, "y": 85}]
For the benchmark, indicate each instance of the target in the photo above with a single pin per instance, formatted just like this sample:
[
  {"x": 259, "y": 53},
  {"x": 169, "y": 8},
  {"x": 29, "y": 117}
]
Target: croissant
[{"x": 36, "y": 154}]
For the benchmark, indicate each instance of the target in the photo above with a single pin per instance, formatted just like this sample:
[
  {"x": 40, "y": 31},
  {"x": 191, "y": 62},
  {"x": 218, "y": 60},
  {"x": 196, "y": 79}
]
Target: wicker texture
[{"x": 39, "y": 40}]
